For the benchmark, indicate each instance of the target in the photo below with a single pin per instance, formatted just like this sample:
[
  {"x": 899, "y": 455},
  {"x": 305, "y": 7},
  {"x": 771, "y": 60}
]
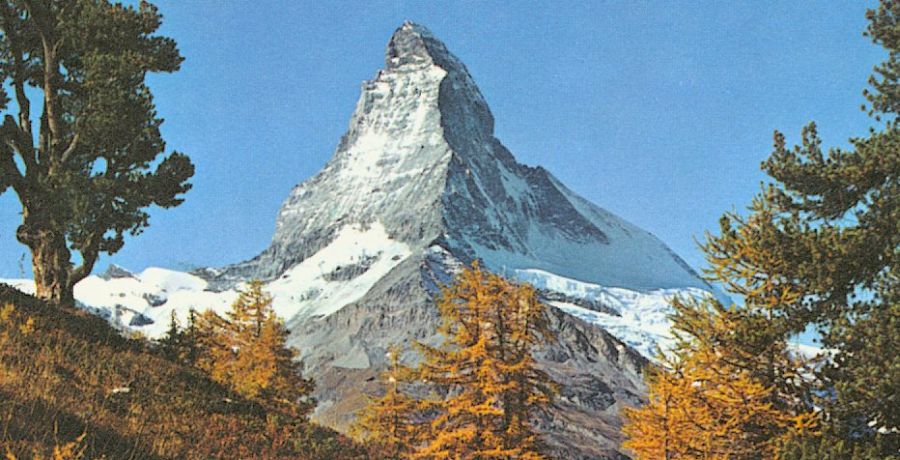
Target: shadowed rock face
[{"x": 420, "y": 160}]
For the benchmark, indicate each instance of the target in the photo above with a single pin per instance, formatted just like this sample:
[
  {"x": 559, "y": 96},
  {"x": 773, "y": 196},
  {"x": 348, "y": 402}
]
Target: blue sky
[{"x": 660, "y": 112}]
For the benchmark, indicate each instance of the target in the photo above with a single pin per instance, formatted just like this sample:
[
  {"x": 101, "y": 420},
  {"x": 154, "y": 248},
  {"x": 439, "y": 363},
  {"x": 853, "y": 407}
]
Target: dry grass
[{"x": 65, "y": 373}]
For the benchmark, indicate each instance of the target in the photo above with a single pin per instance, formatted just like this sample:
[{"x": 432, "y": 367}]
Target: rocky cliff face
[{"x": 417, "y": 188}]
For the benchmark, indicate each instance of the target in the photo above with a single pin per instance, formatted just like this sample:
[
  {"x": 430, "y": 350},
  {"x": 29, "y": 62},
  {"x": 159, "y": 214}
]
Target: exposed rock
[
  {"x": 115, "y": 272},
  {"x": 155, "y": 300},
  {"x": 350, "y": 271}
]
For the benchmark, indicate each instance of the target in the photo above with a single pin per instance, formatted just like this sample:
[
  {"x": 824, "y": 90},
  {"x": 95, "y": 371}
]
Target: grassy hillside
[{"x": 65, "y": 373}]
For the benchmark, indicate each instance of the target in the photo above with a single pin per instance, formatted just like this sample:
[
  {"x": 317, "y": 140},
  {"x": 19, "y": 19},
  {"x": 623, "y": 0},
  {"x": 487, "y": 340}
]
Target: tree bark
[{"x": 50, "y": 257}]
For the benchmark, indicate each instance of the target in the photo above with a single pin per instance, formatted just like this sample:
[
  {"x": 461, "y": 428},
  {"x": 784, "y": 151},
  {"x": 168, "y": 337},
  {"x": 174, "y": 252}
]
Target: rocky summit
[{"x": 417, "y": 188}]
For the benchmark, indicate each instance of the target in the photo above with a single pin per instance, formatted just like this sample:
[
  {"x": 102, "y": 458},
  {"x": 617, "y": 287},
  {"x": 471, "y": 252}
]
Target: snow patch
[
  {"x": 305, "y": 289},
  {"x": 146, "y": 301},
  {"x": 644, "y": 315}
]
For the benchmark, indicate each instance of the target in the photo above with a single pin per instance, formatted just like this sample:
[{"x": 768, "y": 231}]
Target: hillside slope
[{"x": 64, "y": 373}]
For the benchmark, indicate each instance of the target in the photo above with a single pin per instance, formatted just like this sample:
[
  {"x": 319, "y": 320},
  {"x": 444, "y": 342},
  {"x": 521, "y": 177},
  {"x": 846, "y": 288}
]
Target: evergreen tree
[
  {"x": 170, "y": 344},
  {"x": 832, "y": 222},
  {"x": 494, "y": 389},
  {"x": 849, "y": 201},
  {"x": 248, "y": 351},
  {"x": 180, "y": 344},
  {"x": 820, "y": 247},
  {"x": 86, "y": 174},
  {"x": 392, "y": 424}
]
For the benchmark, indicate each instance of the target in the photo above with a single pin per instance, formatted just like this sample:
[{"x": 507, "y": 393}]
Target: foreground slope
[{"x": 66, "y": 373}]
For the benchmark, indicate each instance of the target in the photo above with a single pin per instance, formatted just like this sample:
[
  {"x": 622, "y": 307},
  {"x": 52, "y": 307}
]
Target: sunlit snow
[
  {"x": 643, "y": 322},
  {"x": 145, "y": 301}
]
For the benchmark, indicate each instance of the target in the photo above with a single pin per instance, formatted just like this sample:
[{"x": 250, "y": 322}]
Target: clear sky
[{"x": 661, "y": 112}]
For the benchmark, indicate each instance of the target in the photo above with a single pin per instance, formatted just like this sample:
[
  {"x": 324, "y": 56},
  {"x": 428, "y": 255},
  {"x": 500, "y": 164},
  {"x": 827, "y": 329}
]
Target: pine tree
[
  {"x": 86, "y": 174},
  {"x": 851, "y": 199},
  {"x": 170, "y": 344},
  {"x": 180, "y": 344},
  {"x": 248, "y": 351},
  {"x": 493, "y": 387},
  {"x": 392, "y": 424},
  {"x": 820, "y": 247}
]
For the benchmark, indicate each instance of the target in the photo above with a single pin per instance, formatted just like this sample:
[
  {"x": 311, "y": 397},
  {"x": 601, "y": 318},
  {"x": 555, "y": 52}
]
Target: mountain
[
  {"x": 419, "y": 176},
  {"x": 420, "y": 158},
  {"x": 417, "y": 188}
]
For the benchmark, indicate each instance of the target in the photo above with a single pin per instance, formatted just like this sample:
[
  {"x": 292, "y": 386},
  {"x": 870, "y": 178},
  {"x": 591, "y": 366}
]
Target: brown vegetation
[{"x": 65, "y": 373}]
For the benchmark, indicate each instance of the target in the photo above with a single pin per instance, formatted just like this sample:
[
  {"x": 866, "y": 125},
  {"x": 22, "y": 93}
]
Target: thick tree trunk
[
  {"x": 49, "y": 258},
  {"x": 50, "y": 263}
]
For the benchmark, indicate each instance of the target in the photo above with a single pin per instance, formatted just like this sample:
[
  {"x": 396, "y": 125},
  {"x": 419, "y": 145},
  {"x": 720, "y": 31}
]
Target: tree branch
[
  {"x": 89, "y": 257},
  {"x": 12, "y": 136},
  {"x": 43, "y": 20},
  {"x": 9, "y": 172},
  {"x": 69, "y": 150}
]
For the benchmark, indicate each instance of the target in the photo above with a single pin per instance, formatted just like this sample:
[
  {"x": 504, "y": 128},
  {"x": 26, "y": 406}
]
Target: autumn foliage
[
  {"x": 484, "y": 388},
  {"x": 392, "y": 424},
  {"x": 70, "y": 384},
  {"x": 247, "y": 351},
  {"x": 706, "y": 403}
]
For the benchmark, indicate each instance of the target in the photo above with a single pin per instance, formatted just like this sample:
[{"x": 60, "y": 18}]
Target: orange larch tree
[
  {"x": 709, "y": 401},
  {"x": 485, "y": 367},
  {"x": 486, "y": 387},
  {"x": 248, "y": 351},
  {"x": 392, "y": 425}
]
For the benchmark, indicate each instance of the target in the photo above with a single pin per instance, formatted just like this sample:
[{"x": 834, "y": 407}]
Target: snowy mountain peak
[
  {"x": 407, "y": 46},
  {"x": 413, "y": 48},
  {"x": 419, "y": 158}
]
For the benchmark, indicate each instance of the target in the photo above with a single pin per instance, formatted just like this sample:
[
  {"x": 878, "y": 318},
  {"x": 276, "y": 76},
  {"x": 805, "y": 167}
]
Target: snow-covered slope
[
  {"x": 337, "y": 275},
  {"x": 341, "y": 274},
  {"x": 638, "y": 318},
  {"x": 143, "y": 302}
]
